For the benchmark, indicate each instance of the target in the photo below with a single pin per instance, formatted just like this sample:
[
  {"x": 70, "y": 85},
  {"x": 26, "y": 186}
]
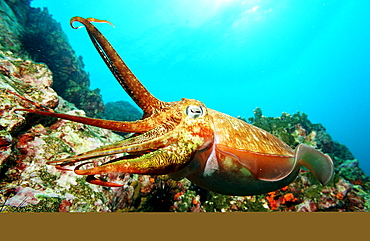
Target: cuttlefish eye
[{"x": 194, "y": 111}]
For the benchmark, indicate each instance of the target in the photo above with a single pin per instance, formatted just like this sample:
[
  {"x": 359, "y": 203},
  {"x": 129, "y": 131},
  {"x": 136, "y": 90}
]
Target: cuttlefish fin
[
  {"x": 320, "y": 165},
  {"x": 266, "y": 167}
]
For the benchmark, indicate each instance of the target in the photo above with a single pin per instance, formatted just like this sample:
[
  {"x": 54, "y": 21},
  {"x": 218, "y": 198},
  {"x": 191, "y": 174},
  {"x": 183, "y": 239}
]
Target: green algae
[
  {"x": 255, "y": 204},
  {"x": 84, "y": 196},
  {"x": 58, "y": 145},
  {"x": 225, "y": 203},
  {"x": 285, "y": 121},
  {"x": 48, "y": 178},
  {"x": 349, "y": 170},
  {"x": 121, "y": 111},
  {"x": 216, "y": 202},
  {"x": 284, "y": 127},
  {"x": 363, "y": 194},
  {"x": 186, "y": 201}
]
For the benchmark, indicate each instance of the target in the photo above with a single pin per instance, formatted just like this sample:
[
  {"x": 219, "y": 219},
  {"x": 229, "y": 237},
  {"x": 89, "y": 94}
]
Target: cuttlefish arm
[
  {"x": 165, "y": 149},
  {"x": 167, "y": 143},
  {"x": 134, "y": 88},
  {"x": 156, "y": 113},
  {"x": 138, "y": 126},
  {"x": 152, "y": 107}
]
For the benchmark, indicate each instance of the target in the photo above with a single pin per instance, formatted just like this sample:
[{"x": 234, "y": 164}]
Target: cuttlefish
[{"x": 185, "y": 139}]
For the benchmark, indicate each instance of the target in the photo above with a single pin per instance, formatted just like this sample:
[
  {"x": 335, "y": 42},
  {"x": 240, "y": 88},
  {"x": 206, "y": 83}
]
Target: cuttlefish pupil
[
  {"x": 184, "y": 139},
  {"x": 194, "y": 111}
]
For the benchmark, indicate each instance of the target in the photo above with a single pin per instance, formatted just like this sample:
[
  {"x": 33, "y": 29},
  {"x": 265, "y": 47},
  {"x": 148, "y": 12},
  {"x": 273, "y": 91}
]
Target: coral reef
[
  {"x": 28, "y": 141},
  {"x": 348, "y": 191},
  {"x": 31, "y": 33}
]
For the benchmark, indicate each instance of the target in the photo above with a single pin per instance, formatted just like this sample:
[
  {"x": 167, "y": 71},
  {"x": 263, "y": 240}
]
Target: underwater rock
[
  {"x": 23, "y": 197},
  {"x": 32, "y": 33},
  {"x": 23, "y": 77},
  {"x": 28, "y": 141},
  {"x": 10, "y": 29},
  {"x": 296, "y": 128},
  {"x": 307, "y": 206},
  {"x": 146, "y": 193},
  {"x": 5, "y": 145},
  {"x": 350, "y": 170},
  {"x": 121, "y": 111}
]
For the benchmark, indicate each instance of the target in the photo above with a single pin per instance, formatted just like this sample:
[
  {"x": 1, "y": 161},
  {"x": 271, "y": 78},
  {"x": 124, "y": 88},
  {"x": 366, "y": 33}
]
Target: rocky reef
[
  {"x": 121, "y": 111},
  {"x": 32, "y": 33},
  {"x": 28, "y": 141}
]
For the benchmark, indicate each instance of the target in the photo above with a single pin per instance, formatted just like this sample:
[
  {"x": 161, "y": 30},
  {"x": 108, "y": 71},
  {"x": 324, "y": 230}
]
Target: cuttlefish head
[{"x": 178, "y": 132}]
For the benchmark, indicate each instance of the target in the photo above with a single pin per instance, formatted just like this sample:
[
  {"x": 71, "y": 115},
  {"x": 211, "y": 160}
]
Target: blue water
[{"x": 283, "y": 56}]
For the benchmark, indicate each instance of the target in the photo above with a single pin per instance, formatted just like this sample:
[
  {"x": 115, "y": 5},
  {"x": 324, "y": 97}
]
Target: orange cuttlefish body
[{"x": 185, "y": 139}]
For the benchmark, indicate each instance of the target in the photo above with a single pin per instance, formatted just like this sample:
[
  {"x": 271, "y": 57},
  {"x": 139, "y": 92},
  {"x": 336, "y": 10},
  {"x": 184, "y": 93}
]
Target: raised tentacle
[{"x": 142, "y": 97}]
